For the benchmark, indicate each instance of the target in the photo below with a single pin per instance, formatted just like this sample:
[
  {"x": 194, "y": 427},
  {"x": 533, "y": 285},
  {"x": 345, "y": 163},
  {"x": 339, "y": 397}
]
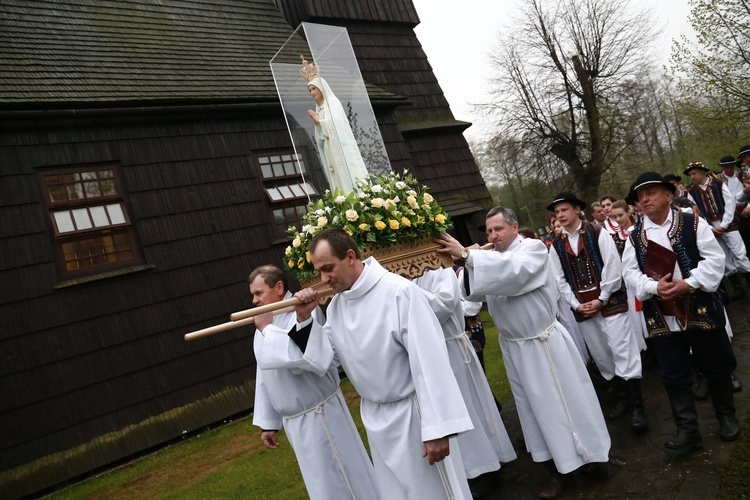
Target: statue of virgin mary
[{"x": 342, "y": 160}]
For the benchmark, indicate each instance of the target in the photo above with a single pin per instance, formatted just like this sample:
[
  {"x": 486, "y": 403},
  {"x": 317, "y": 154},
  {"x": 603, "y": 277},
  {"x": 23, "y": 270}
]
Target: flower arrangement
[{"x": 379, "y": 212}]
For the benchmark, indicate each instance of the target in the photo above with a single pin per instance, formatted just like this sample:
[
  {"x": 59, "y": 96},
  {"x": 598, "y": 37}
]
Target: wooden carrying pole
[
  {"x": 249, "y": 313},
  {"x": 228, "y": 325}
]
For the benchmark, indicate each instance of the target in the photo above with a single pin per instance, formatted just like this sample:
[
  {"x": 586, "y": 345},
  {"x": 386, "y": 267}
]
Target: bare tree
[{"x": 559, "y": 71}]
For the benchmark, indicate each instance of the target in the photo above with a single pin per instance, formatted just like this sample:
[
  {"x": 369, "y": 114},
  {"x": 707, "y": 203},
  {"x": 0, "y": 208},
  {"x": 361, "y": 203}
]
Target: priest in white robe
[
  {"x": 391, "y": 346},
  {"x": 558, "y": 408},
  {"x": 310, "y": 406},
  {"x": 483, "y": 448}
]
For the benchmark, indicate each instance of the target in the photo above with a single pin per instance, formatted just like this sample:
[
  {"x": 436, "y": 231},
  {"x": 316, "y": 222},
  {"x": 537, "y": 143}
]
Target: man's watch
[
  {"x": 692, "y": 289},
  {"x": 465, "y": 254}
]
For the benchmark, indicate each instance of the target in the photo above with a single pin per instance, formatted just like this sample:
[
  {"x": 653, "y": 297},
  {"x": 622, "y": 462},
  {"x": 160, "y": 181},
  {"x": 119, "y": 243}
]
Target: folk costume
[
  {"x": 483, "y": 448},
  {"x": 310, "y": 406},
  {"x": 586, "y": 266},
  {"x": 702, "y": 329},
  {"x": 717, "y": 204},
  {"x": 635, "y": 307},
  {"x": 557, "y": 406},
  {"x": 389, "y": 342}
]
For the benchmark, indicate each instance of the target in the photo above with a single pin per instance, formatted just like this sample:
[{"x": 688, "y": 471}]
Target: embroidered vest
[
  {"x": 711, "y": 202},
  {"x": 705, "y": 310},
  {"x": 584, "y": 270}
]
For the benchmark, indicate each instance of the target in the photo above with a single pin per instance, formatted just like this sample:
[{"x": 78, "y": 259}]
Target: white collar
[
  {"x": 649, "y": 224},
  {"x": 576, "y": 231}
]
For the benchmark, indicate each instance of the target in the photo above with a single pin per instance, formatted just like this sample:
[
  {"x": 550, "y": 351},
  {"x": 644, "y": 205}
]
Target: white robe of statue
[
  {"x": 483, "y": 448},
  {"x": 335, "y": 467},
  {"x": 339, "y": 152},
  {"x": 557, "y": 406},
  {"x": 392, "y": 348}
]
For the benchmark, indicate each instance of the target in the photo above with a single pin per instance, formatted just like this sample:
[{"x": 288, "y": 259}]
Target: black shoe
[
  {"x": 701, "y": 389},
  {"x": 685, "y": 441},
  {"x": 479, "y": 486},
  {"x": 736, "y": 383},
  {"x": 638, "y": 420},
  {"x": 729, "y": 427},
  {"x": 621, "y": 409}
]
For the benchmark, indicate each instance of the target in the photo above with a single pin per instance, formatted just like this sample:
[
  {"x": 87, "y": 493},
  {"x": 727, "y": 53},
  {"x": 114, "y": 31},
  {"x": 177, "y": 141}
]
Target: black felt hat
[
  {"x": 696, "y": 164},
  {"x": 744, "y": 150},
  {"x": 568, "y": 197},
  {"x": 672, "y": 177},
  {"x": 649, "y": 179},
  {"x": 727, "y": 161}
]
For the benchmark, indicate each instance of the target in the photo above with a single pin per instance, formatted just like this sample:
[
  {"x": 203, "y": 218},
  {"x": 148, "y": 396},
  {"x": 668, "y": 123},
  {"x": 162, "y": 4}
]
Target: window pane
[
  {"x": 286, "y": 157},
  {"x": 289, "y": 214},
  {"x": 108, "y": 188},
  {"x": 286, "y": 192},
  {"x": 289, "y": 168},
  {"x": 92, "y": 189},
  {"x": 106, "y": 174},
  {"x": 266, "y": 171},
  {"x": 71, "y": 178},
  {"x": 274, "y": 194},
  {"x": 81, "y": 216},
  {"x": 99, "y": 214},
  {"x": 278, "y": 217},
  {"x": 275, "y": 159},
  {"x": 301, "y": 211},
  {"x": 301, "y": 166},
  {"x": 122, "y": 241},
  {"x": 52, "y": 179},
  {"x": 75, "y": 191},
  {"x": 87, "y": 176},
  {"x": 278, "y": 170},
  {"x": 57, "y": 193},
  {"x": 263, "y": 159},
  {"x": 297, "y": 190},
  {"x": 64, "y": 222},
  {"x": 115, "y": 214},
  {"x": 308, "y": 189}
]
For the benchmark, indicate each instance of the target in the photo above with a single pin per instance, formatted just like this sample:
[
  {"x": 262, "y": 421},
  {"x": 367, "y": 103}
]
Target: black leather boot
[
  {"x": 736, "y": 383},
  {"x": 638, "y": 420},
  {"x": 737, "y": 291},
  {"x": 722, "y": 396},
  {"x": 625, "y": 401},
  {"x": 686, "y": 418}
]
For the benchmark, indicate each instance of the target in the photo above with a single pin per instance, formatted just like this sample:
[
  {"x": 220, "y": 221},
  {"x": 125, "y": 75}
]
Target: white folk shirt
[
  {"x": 730, "y": 203},
  {"x": 392, "y": 348},
  {"x": 611, "y": 279},
  {"x": 706, "y": 276},
  {"x": 332, "y": 467},
  {"x": 557, "y": 406},
  {"x": 483, "y": 448}
]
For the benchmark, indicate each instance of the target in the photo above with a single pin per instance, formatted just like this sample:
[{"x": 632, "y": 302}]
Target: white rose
[
  {"x": 376, "y": 188},
  {"x": 340, "y": 199}
]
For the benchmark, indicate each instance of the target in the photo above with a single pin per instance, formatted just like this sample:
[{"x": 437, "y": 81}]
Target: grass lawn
[{"x": 231, "y": 462}]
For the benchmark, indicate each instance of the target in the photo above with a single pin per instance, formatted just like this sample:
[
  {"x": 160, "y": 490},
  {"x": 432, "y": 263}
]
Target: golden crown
[{"x": 308, "y": 71}]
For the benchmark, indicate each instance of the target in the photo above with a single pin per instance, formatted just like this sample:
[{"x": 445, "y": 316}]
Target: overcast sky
[{"x": 457, "y": 34}]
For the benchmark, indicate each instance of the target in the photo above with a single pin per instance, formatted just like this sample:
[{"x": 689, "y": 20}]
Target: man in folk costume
[
  {"x": 597, "y": 214},
  {"x": 483, "y": 448},
  {"x": 310, "y": 406},
  {"x": 717, "y": 205},
  {"x": 674, "y": 263},
  {"x": 588, "y": 271},
  {"x": 562, "y": 422},
  {"x": 382, "y": 330}
]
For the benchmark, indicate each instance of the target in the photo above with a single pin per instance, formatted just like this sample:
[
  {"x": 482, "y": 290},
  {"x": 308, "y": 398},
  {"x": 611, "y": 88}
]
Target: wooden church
[{"x": 143, "y": 148}]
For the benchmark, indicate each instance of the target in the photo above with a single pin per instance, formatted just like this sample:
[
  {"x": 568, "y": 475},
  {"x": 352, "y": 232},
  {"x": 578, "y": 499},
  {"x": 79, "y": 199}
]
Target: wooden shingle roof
[{"x": 80, "y": 53}]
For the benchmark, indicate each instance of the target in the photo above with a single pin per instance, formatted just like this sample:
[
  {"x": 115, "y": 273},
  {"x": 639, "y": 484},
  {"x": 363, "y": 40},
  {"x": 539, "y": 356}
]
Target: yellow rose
[
  {"x": 377, "y": 202},
  {"x": 297, "y": 242},
  {"x": 301, "y": 263},
  {"x": 352, "y": 215},
  {"x": 405, "y": 222},
  {"x": 290, "y": 264},
  {"x": 428, "y": 198},
  {"x": 412, "y": 201},
  {"x": 322, "y": 222},
  {"x": 389, "y": 204},
  {"x": 440, "y": 219},
  {"x": 379, "y": 225},
  {"x": 348, "y": 231},
  {"x": 393, "y": 224},
  {"x": 364, "y": 227},
  {"x": 307, "y": 256}
]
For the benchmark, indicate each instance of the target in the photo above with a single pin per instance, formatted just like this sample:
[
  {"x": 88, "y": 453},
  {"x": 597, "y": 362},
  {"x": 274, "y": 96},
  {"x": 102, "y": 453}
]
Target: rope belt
[
  {"x": 440, "y": 465},
  {"x": 580, "y": 449},
  {"x": 466, "y": 351},
  {"x": 318, "y": 409}
]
